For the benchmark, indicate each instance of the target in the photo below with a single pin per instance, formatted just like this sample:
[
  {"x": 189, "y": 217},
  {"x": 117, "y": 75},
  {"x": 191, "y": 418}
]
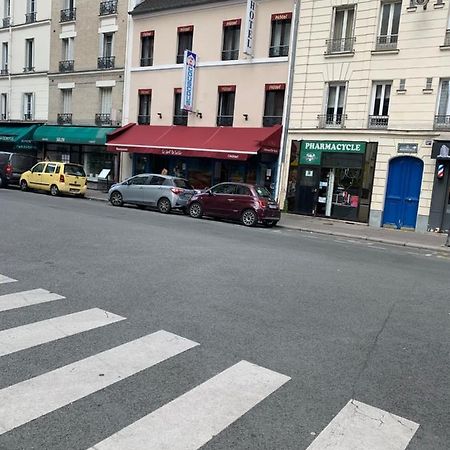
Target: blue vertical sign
[{"x": 187, "y": 93}]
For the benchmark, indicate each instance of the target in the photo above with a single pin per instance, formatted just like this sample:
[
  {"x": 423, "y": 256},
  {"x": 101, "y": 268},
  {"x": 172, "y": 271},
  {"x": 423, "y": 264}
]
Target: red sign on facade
[
  {"x": 177, "y": 90},
  {"x": 186, "y": 29},
  {"x": 281, "y": 16},
  {"x": 232, "y": 23},
  {"x": 148, "y": 33},
  {"x": 228, "y": 88},
  {"x": 276, "y": 87},
  {"x": 145, "y": 92}
]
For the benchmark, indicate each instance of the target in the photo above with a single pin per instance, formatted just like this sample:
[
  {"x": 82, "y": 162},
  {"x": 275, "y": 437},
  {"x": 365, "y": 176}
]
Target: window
[
  {"x": 29, "y": 55},
  {"x": 74, "y": 170},
  {"x": 108, "y": 7},
  {"x": 157, "y": 181},
  {"x": 138, "y": 181},
  {"x": 225, "y": 112},
  {"x": 180, "y": 116},
  {"x": 281, "y": 31},
  {"x": 334, "y": 116},
  {"x": 145, "y": 96},
  {"x": 243, "y": 190},
  {"x": 107, "y": 60},
  {"x": 342, "y": 32},
  {"x": 7, "y": 9},
  {"x": 381, "y": 97},
  {"x": 389, "y": 26},
  {"x": 147, "y": 43},
  {"x": 50, "y": 168},
  {"x": 67, "y": 58},
  {"x": 225, "y": 188},
  {"x": 185, "y": 38},
  {"x": 231, "y": 39},
  {"x": 104, "y": 117},
  {"x": 38, "y": 168},
  {"x": 402, "y": 84},
  {"x": 429, "y": 84},
  {"x": 30, "y": 16},
  {"x": 5, "y": 57},
  {"x": 442, "y": 118},
  {"x": 28, "y": 105},
  {"x": 4, "y": 106},
  {"x": 274, "y": 104},
  {"x": 68, "y": 13},
  {"x": 65, "y": 117}
]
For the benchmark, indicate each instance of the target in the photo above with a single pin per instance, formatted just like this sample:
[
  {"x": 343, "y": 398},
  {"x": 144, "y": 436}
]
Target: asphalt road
[{"x": 344, "y": 320}]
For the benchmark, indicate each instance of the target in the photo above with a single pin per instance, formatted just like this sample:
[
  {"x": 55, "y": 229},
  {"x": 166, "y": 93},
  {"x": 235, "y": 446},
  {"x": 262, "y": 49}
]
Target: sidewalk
[{"x": 349, "y": 230}]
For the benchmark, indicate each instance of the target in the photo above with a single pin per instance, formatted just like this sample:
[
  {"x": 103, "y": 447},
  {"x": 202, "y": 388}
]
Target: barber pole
[{"x": 440, "y": 171}]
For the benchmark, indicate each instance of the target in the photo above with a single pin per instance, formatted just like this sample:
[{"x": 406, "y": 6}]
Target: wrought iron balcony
[
  {"x": 332, "y": 120},
  {"x": 344, "y": 45},
  {"x": 270, "y": 121},
  {"x": 441, "y": 122},
  {"x": 387, "y": 42},
  {"x": 4, "y": 71},
  {"x": 446, "y": 41},
  {"x": 278, "y": 50},
  {"x": 102, "y": 120},
  {"x": 66, "y": 66},
  {"x": 68, "y": 15},
  {"x": 109, "y": 7},
  {"x": 144, "y": 119},
  {"x": 230, "y": 55},
  {"x": 224, "y": 121},
  {"x": 30, "y": 17},
  {"x": 106, "y": 62},
  {"x": 28, "y": 116},
  {"x": 64, "y": 119},
  {"x": 146, "y": 62},
  {"x": 28, "y": 69},
  {"x": 180, "y": 120},
  {"x": 378, "y": 121},
  {"x": 6, "y": 22}
]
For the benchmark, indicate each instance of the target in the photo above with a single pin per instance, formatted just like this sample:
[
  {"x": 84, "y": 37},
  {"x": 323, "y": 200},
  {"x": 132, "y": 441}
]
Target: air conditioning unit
[{"x": 420, "y": 3}]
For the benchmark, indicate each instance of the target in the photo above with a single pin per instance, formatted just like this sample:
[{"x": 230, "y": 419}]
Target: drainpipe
[
  {"x": 9, "y": 99},
  {"x": 287, "y": 100}
]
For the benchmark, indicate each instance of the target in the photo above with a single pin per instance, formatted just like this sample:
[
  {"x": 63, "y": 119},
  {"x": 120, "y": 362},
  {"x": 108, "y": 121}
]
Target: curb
[{"x": 97, "y": 199}]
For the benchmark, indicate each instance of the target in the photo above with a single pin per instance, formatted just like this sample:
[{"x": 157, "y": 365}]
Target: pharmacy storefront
[{"x": 331, "y": 179}]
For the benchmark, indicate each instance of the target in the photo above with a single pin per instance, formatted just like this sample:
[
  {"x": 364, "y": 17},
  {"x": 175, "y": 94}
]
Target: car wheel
[
  {"x": 80, "y": 195},
  {"x": 164, "y": 205},
  {"x": 3, "y": 183},
  {"x": 196, "y": 210},
  {"x": 116, "y": 199},
  {"x": 249, "y": 218},
  {"x": 270, "y": 223},
  {"x": 54, "y": 191},
  {"x": 24, "y": 186}
]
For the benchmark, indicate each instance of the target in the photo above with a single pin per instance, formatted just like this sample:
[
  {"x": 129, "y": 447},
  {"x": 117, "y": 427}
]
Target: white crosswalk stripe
[
  {"x": 193, "y": 419},
  {"x": 41, "y": 395},
  {"x": 361, "y": 427},
  {"x": 27, "y": 298},
  {"x": 37, "y": 333},
  {"x": 5, "y": 279}
]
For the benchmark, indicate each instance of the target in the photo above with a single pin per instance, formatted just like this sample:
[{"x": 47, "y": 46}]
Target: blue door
[{"x": 403, "y": 192}]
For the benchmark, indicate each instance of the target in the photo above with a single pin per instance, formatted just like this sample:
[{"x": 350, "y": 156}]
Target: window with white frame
[
  {"x": 67, "y": 48},
  {"x": 29, "y": 55},
  {"x": 335, "y": 105},
  {"x": 4, "y": 106},
  {"x": 442, "y": 118},
  {"x": 104, "y": 117},
  {"x": 342, "y": 37},
  {"x": 106, "y": 59},
  {"x": 389, "y": 25},
  {"x": 381, "y": 97},
  {"x": 66, "y": 101},
  {"x": 28, "y": 106},
  {"x": 7, "y": 9},
  {"x": 30, "y": 16},
  {"x": 5, "y": 58}
]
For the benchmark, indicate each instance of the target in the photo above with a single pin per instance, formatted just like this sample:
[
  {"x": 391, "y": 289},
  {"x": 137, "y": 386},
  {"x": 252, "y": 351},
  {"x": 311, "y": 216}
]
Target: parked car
[
  {"x": 163, "y": 191},
  {"x": 56, "y": 178},
  {"x": 236, "y": 201},
  {"x": 12, "y": 166}
]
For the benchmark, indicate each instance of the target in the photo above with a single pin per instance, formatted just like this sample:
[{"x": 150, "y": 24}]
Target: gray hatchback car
[{"x": 162, "y": 191}]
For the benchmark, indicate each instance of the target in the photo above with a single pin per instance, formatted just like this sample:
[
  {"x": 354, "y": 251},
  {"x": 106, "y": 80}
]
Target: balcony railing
[
  {"x": 146, "y": 62},
  {"x": 106, "y": 62},
  {"x": 68, "y": 15},
  {"x": 278, "y": 50},
  {"x": 28, "y": 116},
  {"x": 103, "y": 120},
  {"x": 67, "y": 65},
  {"x": 446, "y": 41},
  {"x": 6, "y": 22},
  {"x": 4, "y": 71},
  {"x": 344, "y": 45},
  {"x": 332, "y": 120},
  {"x": 441, "y": 122},
  {"x": 64, "y": 119},
  {"x": 143, "y": 119},
  {"x": 230, "y": 55},
  {"x": 270, "y": 121},
  {"x": 378, "y": 121},
  {"x": 224, "y": 121},
  {"x": 30, "y": 17},
  {"x": 387, "y": 42},
  {"x": 28, "y": 69},
  {"x": 109, "y": 7},
  {"x": 180, "y": 120}
]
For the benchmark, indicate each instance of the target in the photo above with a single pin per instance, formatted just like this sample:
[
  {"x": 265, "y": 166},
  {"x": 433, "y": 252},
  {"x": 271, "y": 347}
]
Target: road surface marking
[
  {"x": 27, "y": 298},
  {"x": 33, "y": 334},
  {"x": 33, "y": 398},
  {"x": 190, "y": 421},
  {"x": 361, "y": 427},
  {"x": 4, "y": 279}
]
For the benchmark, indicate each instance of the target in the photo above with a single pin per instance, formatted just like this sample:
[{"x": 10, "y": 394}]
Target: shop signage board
[
  {"x": 311, "y": 151},
  {"x": 187, "y": 93},
  {"x": 249, "y": 27},
  {"x": 407, "y": 148}
]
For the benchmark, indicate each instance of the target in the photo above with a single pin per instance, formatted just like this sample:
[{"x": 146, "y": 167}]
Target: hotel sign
[
  {"x": 187, "y": 92},
  {"x": 249, "y": 35},
  {"x": 311, "y": 151}
]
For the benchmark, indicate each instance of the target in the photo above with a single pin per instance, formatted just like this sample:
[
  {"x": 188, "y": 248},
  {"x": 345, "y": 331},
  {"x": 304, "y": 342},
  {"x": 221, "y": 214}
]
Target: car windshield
[
  {"x": 262, "y": 192},
  {"x": 73, "y": 169},
  {"x": 184, "y": 184},
  {"x": 4, "y": 157}
]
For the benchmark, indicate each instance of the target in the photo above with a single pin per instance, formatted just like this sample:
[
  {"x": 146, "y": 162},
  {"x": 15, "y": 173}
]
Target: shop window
[
  {"x": 185, "y": 38},
  {"x": 147, "y": 44},
  {"x": 381, "y": 97},
  {"x": 225, "y": 113},
  {"x": 442, "y": 118},
  {"x": 389, "y": 25},
  {"x": 145, "y": 96},
  {"x": 334, "y": 116},
  {"x": 281, "y": 32},
  {"x": 231, "y": 39},
  {"x": 180, "y": 116},
  {"x": 342, "y": 35},
  {"x": 274, "y": 104}
]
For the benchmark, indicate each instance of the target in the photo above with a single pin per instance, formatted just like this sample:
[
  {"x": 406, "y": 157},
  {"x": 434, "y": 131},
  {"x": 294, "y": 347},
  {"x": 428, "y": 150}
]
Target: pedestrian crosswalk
[
  {"x": 185, "y": 423},
  {"x": 4, "y": 279}
]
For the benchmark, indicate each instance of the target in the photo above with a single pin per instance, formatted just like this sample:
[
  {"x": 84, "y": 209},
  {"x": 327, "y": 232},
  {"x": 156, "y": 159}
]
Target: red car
[{"x": 236, "y": 201}]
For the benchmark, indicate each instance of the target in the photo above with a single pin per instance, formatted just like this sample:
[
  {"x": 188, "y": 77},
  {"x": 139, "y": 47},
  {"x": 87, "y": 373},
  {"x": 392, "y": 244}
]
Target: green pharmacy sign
[{"x": 311, "y": 151}]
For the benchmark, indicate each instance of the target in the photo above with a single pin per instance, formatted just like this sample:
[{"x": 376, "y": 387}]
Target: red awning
[{"x": 206, "y": 142}]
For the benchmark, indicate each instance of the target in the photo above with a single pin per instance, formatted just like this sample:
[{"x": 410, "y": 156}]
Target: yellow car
[{"x": 56, "y": 178}]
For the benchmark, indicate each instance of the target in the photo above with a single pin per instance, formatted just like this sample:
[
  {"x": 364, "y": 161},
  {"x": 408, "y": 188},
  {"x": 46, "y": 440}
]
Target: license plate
[
  {"x": 273, "y": 206},
  {"x": 74, "y": 190}
]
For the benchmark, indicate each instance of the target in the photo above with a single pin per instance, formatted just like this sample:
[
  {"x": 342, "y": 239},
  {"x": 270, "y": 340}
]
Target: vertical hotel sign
[
  {"x": 187, "y": 93},
  {"x": 250, "y": 27}
]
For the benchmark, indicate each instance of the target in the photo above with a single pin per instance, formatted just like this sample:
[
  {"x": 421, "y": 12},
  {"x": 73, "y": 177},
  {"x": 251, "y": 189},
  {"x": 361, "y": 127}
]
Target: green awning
[
  {"x": 72, "y": 135},
  {"x": 12, "y": 134}
]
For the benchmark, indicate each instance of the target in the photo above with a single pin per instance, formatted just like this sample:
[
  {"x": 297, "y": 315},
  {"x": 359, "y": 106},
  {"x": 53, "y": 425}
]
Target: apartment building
[
  {"x": 370, "y": 120},
  {"x": 85, "y": 83},
  {"x": 225, "y": 125},
  {"x": 24, "y": 63}
]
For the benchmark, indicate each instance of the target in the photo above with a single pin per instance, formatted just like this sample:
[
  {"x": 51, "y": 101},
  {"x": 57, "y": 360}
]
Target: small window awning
[
  {"x": 17, "y": 135},
  {"x": 205, "y": 142},
  {"x": 72, "y": 135}
]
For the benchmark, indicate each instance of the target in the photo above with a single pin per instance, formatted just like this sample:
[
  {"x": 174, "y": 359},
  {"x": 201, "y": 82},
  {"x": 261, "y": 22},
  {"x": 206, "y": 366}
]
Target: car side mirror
[{"x": 210, "y": 193}]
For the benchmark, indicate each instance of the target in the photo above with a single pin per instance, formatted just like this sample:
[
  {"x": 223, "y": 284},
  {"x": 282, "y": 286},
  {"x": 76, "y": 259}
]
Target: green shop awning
[
  {"x": 72, "y": 135},
  {"x": 18, "y": 136}
]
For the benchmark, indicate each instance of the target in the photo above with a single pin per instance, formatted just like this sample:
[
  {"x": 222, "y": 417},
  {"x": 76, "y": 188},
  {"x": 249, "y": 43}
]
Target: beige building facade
[{"x": 369, "y": 102}]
